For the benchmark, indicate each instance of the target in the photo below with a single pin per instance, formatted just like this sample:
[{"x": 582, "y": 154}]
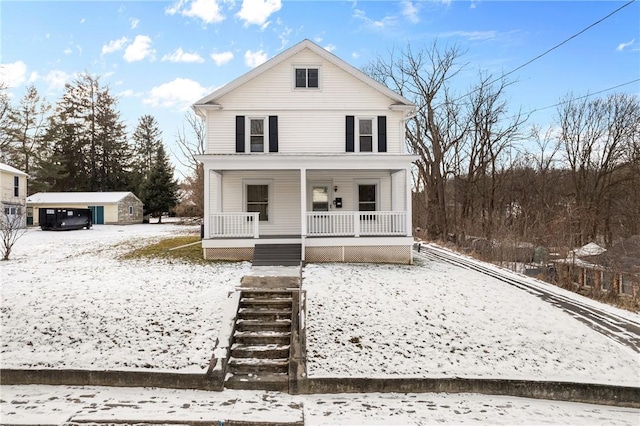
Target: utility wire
[
  {"x": 588, "y": 95},
  {"x": 553, "y": 48}
]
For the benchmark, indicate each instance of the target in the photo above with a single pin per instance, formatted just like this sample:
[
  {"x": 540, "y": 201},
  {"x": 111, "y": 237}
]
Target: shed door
[{"x": 97, "y": 215}]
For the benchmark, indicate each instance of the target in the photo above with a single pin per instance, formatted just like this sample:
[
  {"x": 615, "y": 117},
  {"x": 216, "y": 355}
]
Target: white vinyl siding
[
  {"x": 300, "y": 131},
  {"x": 347, "y": 183},
  {"x": 308, "y": 120}
]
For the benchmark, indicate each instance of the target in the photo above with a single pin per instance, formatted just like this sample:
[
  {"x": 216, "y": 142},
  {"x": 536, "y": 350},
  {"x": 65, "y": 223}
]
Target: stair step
[
  {"x": 266, "y": 294},
  {"x": 260, "y": 351},
  {"x": 265, "y": 314},
  {"x": 272, "y": 382},
  {"x": 262, "y": 338},
  {"x": 255, "y": 325},
  {"x": 258, "y": 366},
  {"x": 266, "y": 303}
]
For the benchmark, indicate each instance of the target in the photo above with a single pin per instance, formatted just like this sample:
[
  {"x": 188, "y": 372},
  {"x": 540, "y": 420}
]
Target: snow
[
  {"x": 438, "y": 320},
  {"x": 76, "y": 197},
  {"x": 69, "y": 302},
  {"x": 70, "y": 404}
]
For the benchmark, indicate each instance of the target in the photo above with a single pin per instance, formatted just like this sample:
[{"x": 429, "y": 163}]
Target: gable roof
[
  {"x": 77, "y": 197},
  {"x": 278, "y": 59},
  {"x": 7, "y": 168}
]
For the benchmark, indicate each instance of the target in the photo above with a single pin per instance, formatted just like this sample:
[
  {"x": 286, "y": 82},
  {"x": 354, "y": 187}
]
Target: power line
[
  {"x": 553, "y": 48},
  {"x": 565, "y": 41},
  {"x": 588, "y": 95}
]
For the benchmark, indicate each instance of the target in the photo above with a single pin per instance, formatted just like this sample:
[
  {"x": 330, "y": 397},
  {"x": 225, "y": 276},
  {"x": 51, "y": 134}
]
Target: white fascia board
[{"x": 353, "y": 161}]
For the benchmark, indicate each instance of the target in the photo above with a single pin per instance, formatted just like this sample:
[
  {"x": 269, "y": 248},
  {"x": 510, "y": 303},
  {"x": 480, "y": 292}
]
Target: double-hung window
[
  {"x": 365, "y": 134},
  {"x": 256, "y": 134},
  {"x": 257, "y": 197},
  {"x": 16, "y": 186},
  {"x": 307, "y": 78}
]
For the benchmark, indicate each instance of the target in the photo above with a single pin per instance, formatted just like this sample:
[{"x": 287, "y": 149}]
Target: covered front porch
[{"x": 357, "y": 209}]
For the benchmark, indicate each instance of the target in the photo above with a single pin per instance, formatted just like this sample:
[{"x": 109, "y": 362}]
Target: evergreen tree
[
  {"x": 87, "y": 139},
  {"x": 26, "y": 127},
  {"x": 147, "y": 138},
  {"x": 160, "y": 191}
]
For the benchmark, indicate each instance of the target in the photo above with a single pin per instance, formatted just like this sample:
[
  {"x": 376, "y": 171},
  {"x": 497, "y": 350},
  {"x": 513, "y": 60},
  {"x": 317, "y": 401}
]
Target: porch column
[
  {"x": 408, "y": 201},
  {"x": 303, "y": 208},
  {"x": 207, "y": 198}
]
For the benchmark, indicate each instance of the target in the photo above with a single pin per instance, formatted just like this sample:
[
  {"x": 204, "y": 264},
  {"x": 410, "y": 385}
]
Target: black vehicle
[{"x": 64, "y": 219}]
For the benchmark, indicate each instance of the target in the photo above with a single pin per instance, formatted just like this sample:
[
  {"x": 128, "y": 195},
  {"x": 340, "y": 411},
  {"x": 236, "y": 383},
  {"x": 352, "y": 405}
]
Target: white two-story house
[
  {"x": 307, "y": 149},
  {"x": 13, "y": 193}
]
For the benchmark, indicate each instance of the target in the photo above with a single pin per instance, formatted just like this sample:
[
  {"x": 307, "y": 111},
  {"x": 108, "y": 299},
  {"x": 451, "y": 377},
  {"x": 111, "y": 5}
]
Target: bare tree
[
  {"x": 488, "y": 141},
  {"x": 423, "y": 77},
  {"x": 191, "y": 141},
  {"x": 597, "y": 136},
  {"x": 11, "y": 229}
]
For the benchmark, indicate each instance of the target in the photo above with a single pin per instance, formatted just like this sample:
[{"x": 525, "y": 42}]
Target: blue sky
[{"x": 158, "y": 57}]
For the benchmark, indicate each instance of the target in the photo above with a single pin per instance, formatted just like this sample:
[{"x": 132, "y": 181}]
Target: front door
[
  {"x": 319, "y": 197},
  {"x": 97, "y": 215}
]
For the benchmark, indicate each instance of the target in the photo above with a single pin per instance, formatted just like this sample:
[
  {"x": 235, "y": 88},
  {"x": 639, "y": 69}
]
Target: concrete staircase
[
  {"x": 261, "y": 342},
  {"x": 277, "y": 255}
]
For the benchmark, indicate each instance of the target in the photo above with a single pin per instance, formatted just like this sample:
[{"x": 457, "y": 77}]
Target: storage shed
[{"x": 108, "y": 208}]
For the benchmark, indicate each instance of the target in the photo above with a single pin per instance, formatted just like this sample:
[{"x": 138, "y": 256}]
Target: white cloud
[
  {"x": 253, "y": 59},
  {"x": 330, "y": 47},
  {"x": 14, "y": 74},
  {"x": 139, "y": 49},
  {"x": 624, "y": 45},
  {"x": 222, "y": 58},
  {"x": 471, "y": 35},
  {"x": 114, "y": 45},
  {"x": 410, "y": 11},
  {"x": 257, "y": 12},
  {"x": 181, "y": 56},
  {"x": 33, "y": 77},
  {"x": 207, "y": 10},
  {"x": 56, "y": 79},
  {"x": 68, "y": 51},
  {"x": 134, "y": 23},
  {"x": 386, "y": 22},
  {"x": 128, "y": 93},
  {"x": 180, "y": 93}
]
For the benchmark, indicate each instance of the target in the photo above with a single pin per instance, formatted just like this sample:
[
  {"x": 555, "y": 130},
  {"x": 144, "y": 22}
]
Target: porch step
[
  {"x": 277, "y": 254},
  {"x": 260, "y": 348},
  {"x": 270, "y": 382}
]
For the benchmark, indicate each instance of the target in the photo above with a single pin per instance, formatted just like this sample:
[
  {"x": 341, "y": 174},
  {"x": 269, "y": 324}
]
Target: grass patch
[{"x": 163, "y": 250}]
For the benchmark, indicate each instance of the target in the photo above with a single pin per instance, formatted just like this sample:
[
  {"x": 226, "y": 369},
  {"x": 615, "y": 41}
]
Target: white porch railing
[
  {"x": 234, "y": 225},
  {"x": 328, "y": 224},
  {"x": 319, "y": 224}
]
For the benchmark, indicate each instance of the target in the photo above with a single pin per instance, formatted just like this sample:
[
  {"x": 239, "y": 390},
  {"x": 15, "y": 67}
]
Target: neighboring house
[
  {"x": 111, "y": 208},
  {"x": 616, "y": 269},
  {"x": 307, "y": 149},
  {"x": 13, "y": 184}
]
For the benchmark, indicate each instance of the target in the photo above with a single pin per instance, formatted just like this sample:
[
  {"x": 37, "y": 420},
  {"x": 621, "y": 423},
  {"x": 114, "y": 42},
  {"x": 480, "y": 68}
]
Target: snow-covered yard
[
  {"x": 69, "y": 302},
  {"x": 438, "y": 320}
]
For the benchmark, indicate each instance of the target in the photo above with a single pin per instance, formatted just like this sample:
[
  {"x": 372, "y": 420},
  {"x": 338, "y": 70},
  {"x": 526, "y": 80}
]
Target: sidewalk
[{"x": 38, "y": 404}]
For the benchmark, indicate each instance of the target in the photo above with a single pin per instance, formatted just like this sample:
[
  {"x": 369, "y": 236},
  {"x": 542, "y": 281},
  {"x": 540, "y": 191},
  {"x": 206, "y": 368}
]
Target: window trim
[
  {"x": 269, "y": 182},
  {"x": 374, "y": 133},
  {"x": 265, "y": 134},
  {"x": 295, "y": 67},
  {"x": 130, "y": 210},
  {"x": 16, "y": 186}
]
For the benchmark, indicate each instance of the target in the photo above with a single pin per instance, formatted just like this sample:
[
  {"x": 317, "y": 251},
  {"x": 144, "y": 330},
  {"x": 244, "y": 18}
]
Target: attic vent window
[{"x": 307, "y": 78}]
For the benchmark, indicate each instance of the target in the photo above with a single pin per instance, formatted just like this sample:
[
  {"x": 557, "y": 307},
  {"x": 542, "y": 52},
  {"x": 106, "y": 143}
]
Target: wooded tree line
[
  {"x": 486, "y": 172},
  {"x": 81, "y": 144}
]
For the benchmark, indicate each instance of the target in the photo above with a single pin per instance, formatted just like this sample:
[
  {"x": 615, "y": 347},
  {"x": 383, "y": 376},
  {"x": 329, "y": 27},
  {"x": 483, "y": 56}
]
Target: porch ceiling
[{"x": 278, "y": 161}]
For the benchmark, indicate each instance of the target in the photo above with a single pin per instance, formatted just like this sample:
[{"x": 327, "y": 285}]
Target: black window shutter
[
  {"x": 382, "y": 133},
  {"x": 240, "y": 133},
  {"x": 273, "y": 133},
  {"x": 350, "y": 135}
]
